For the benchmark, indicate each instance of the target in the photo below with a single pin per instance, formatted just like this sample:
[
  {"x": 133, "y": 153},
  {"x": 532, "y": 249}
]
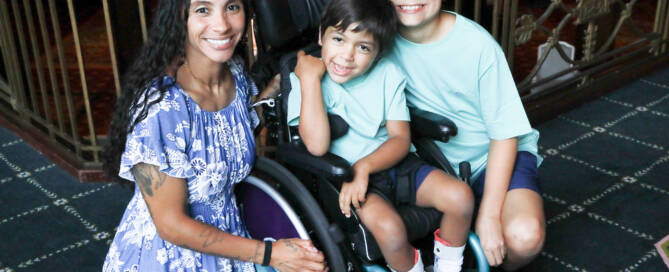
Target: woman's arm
[
  {"x": 271, "y": 90},
  {"x": 166, "y": 199},
  {"x": 387, "y": 155},
  {"x": 501, "y": 158},
  {"x": 314, "y": 127}
]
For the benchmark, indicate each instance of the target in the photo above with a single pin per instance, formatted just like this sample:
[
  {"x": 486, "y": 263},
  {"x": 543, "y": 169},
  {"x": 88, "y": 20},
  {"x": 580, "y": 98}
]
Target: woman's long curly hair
[{"x": 164, "y": 49}]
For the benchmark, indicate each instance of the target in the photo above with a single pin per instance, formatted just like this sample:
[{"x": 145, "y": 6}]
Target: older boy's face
[
  {"x": 347, "y": 54},
  {"x": 416, "y": 12}
]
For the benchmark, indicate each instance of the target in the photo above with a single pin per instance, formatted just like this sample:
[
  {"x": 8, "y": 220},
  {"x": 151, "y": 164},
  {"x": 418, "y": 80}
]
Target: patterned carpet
[
  {"x": 49, "y": 221},
  {"x": 604, "y": 180}
]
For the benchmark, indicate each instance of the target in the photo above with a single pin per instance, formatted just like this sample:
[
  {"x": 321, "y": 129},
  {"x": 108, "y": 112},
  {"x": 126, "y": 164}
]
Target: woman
[{"x": 182, "y": 131}]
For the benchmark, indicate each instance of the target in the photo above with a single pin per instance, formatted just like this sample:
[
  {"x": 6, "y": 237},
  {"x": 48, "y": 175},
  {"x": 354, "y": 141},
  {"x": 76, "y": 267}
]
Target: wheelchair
[{"x": 295, "y": 194}]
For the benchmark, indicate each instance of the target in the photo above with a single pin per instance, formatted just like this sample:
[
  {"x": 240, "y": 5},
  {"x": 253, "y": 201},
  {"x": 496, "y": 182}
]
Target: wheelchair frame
[{"x": 296, "y": 197}]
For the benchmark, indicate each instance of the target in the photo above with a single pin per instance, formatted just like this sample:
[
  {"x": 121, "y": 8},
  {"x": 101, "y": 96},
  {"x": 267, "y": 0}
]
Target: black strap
[
  {"x": 405, "y": 193},
  {"x": 268, "y": 253},
  {"x": 403, "y": 189}
]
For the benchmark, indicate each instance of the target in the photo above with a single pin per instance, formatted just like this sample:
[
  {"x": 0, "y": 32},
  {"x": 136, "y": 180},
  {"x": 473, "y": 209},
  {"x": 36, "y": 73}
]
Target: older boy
[{"x": 456, "y": 69}]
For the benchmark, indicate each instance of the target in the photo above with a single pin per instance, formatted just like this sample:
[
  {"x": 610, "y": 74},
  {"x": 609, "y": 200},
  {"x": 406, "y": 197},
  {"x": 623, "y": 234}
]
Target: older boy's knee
[{"x": 525, "y": 235}]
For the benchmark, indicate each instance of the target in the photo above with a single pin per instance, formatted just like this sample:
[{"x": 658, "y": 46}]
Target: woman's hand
[
  {"x": 354, "y": 192},
  {"x": 296, "y": 255},
  {"x": 309, "y": 67},
  {"x": 489, "y": 231}
]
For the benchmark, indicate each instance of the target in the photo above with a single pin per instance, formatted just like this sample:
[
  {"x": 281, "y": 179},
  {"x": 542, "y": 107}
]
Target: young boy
[
  {"x": 354, "y": 82},
  {"x": 456, "y": 69}
]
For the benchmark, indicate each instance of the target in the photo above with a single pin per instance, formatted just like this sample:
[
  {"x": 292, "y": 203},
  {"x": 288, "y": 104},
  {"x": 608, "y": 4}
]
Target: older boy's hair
[{"x": 374, "y": 16}]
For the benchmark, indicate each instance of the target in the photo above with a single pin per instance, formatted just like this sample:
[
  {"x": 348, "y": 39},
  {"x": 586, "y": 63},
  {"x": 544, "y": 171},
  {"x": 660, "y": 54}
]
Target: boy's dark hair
[{"x": 374, "y": 16}]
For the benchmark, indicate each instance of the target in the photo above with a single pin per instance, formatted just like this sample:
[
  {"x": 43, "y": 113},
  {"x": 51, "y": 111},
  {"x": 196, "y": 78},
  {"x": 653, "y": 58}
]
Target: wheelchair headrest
[{"x": 279, "y": 21}]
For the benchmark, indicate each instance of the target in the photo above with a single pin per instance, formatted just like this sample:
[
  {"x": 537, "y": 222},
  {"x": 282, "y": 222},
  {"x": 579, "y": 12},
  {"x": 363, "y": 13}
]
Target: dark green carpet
[{"x": 605, "y": 180}]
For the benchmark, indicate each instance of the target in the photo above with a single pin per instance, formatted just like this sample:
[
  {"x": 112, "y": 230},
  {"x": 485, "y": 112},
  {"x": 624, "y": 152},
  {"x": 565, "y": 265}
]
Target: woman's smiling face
[{"x": 215, "y": 27}]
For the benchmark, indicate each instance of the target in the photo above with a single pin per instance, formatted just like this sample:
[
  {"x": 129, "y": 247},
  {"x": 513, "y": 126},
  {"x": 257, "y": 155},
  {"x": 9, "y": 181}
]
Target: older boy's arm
[
  {"x": 384, "y": 157},
  {"x": 501, "y": 158},
  {"x": 314, "y": 126}
]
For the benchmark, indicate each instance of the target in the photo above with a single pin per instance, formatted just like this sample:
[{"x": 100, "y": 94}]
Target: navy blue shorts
[{"x": 525, "y": 175}]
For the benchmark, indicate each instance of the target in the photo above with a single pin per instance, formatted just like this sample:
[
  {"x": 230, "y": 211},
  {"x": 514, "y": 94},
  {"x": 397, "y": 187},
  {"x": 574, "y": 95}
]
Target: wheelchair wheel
[{"x": 275, "y": 204}]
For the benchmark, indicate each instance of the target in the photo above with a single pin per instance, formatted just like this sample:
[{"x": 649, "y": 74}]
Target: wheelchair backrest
[
  {"x": 286, "y": 26},
  {"x": 280, "y": 21}
]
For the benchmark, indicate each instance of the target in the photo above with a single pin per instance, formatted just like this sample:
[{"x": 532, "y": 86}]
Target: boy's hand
[
  {"x": 309, "y": 67},
  {"x": 489, "y": 231},
  {"x": 353, "y": 193}
]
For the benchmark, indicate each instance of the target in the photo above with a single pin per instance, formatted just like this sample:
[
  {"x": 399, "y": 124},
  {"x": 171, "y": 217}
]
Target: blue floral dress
[{"x": 212, "y": 151}]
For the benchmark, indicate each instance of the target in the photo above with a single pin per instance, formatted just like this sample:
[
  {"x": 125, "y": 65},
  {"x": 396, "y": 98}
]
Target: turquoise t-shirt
[
  {"x": 365, "y": 103},
  {"x": 465, "y": 77}
]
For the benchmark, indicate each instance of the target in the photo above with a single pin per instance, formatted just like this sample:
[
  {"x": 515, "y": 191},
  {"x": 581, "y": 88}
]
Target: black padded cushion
[
  {"x": 432, "y": 125},
  {"x": 329, "y": 166},
  {"x": 419, "y": 221},
  {"x": 280, "y": 21}
]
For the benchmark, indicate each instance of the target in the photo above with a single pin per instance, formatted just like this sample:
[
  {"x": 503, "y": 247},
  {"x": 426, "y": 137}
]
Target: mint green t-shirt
[
  {"x": 365, "y": 103},
  {"x": 465, "y": 77}
]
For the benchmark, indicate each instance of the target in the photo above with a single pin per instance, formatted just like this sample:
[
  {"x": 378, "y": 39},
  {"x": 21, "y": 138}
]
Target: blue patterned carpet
[
  {"x": 605, "y": 182},
  {"x": 49, "y": 221}
]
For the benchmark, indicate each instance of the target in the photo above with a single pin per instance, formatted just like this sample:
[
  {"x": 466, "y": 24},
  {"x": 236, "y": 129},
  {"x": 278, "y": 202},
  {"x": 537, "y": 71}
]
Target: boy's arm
[
  {"x": 314, "y": 127},
  {"x": 501, "y": 158},
  {"x": 384, "y": 157}
]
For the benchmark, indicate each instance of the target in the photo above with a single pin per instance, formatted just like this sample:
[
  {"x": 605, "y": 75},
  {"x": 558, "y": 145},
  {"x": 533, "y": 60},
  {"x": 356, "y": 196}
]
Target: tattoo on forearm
[
  {"x": 148, "y": 177},
  {"x": 211, "y": 236},
  {"x": 256, "y": 253}
]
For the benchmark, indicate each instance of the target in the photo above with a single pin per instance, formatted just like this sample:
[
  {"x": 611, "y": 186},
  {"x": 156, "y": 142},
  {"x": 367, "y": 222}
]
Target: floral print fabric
[{"x": 212, "y": 151}]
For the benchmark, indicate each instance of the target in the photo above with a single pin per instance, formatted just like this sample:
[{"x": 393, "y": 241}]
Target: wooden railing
[{"x": 50, "y": 91}]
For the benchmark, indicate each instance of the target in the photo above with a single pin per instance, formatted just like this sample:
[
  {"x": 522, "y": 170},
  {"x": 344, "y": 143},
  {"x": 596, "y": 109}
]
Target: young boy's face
[
  {"x": 413, "y": 13},
  {"x": 347, "y": 54}
]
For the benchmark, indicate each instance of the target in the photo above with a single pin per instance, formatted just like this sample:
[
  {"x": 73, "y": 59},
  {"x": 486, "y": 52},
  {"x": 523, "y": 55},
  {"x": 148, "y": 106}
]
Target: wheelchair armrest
[
  {"x": 330, "y": 166},
  {"x": 338, "y": 128},
  {"x": 432, "y": 125}
]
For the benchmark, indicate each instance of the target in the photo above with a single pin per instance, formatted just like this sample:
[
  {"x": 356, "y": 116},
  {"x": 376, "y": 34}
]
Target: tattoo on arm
[
  {"x": 292, "y": 246},
  {"x": 148, "y": 177},
  {"x": 211, "y": 236},
  {"x": 255, "y": 258}
]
